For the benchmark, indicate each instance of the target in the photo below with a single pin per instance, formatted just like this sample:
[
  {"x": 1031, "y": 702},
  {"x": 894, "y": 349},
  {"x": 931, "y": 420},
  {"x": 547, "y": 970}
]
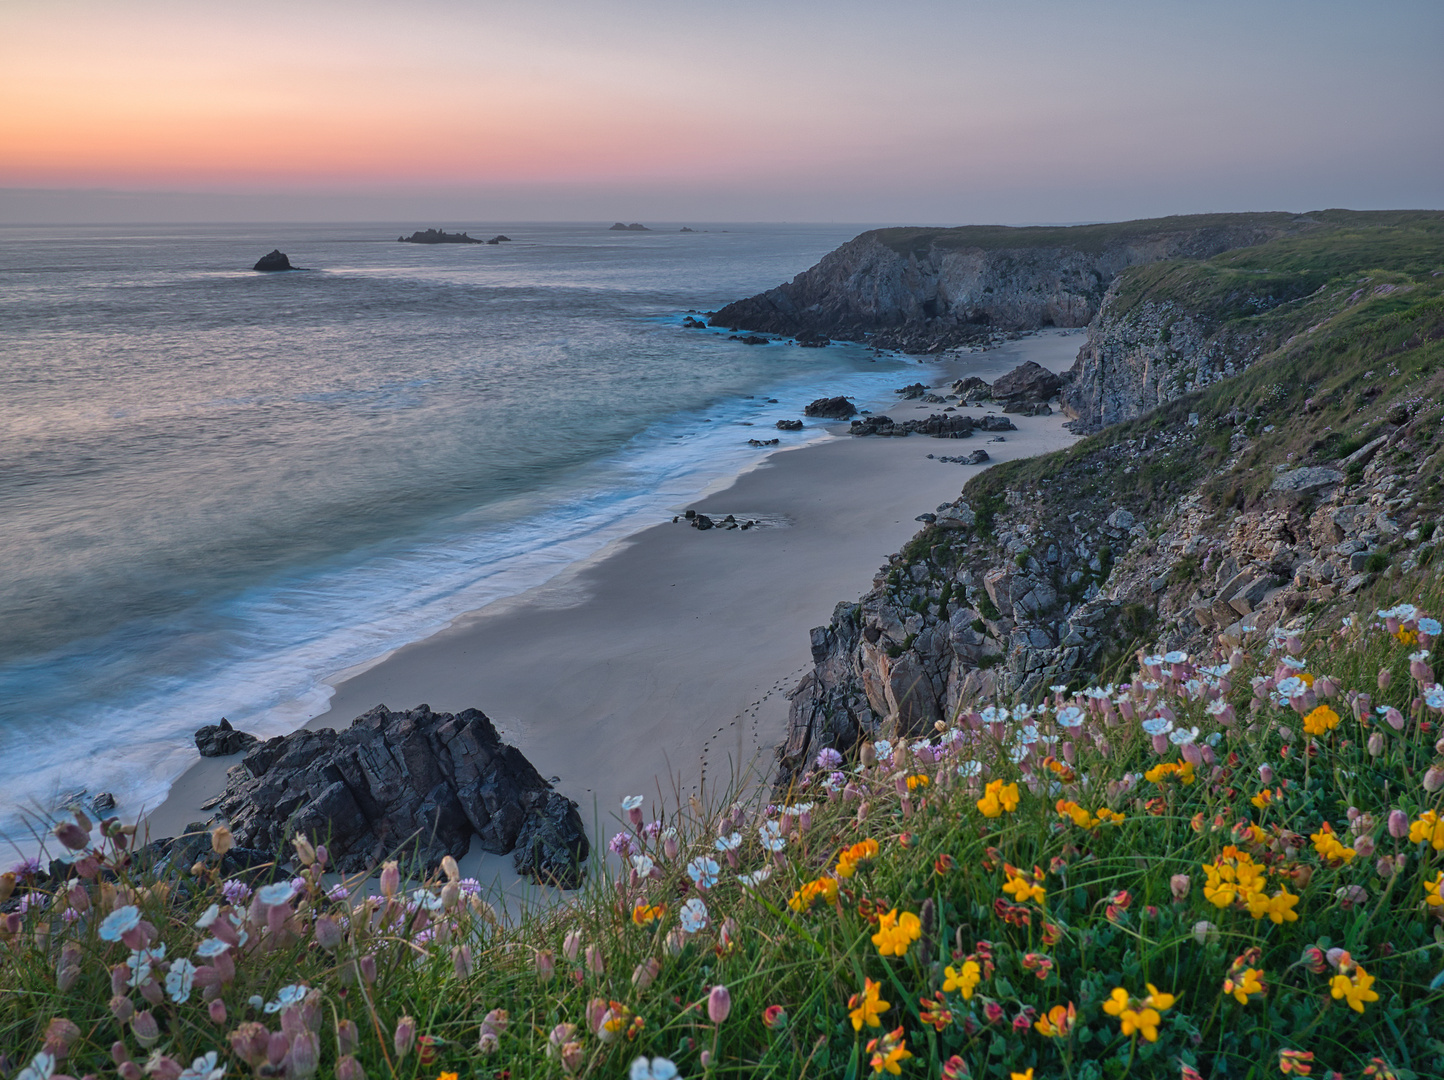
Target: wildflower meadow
[{"x": 1228, "y": 865}]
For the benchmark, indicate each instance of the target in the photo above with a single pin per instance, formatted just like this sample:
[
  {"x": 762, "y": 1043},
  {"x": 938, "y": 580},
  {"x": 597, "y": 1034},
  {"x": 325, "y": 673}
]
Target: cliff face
[
  {"x": 927, "y": 289},
  {"x": 1264, "y": 449}
]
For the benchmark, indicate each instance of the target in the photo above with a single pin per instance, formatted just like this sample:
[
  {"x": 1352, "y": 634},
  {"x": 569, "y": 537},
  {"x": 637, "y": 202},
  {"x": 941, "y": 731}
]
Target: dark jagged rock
[
  {"x": 752, "y": 339},
  {"x": 911, "y": 393},
  {"x": 689, "y": 323},
  {"x": 995, "y": 423},
  {"x": 633, "y": 227},
  {"x": 763, "y": 442},
  {"x": 415, "y": 781},
  {"x": 939, "y": 426},
  {"x": 273, "y": 262},
  {"x": 789, "y": 425},
  {"x": 222, "y": 740},
  {"x": 499, "y": 239},
  {"x": 833, "y": 408},
  {"x": 685, "y": 229},
  {"x": 439, "y": 236},
  {"x": 810, "y": 340},
  {"x": 1029, "y": 383}
]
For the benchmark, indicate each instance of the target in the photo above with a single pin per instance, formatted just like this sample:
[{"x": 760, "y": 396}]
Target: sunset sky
[{"x": 942, "y": 112}]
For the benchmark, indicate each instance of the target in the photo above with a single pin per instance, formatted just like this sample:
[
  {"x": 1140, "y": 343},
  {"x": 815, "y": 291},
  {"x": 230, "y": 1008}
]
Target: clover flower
[
  {"x": 828, "y": 759},
  {"x": 235, "y": 892},
  {"x": 621, "y": 844}
]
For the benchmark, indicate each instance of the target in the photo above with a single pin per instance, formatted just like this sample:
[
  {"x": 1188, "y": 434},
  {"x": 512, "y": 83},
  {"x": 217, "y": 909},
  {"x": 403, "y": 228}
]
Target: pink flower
[{"x": 719, "y": 1004}]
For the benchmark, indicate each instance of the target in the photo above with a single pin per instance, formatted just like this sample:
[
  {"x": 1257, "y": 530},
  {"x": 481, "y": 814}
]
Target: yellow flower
[
  {"x": 1329, "y": 847},
  {"x": 1406, "y": 636},
  {"x": 643, "y": 914},
  {"x": 1247, "y": 984},
  {"x": 998, "y": 798},
  {"x": 1434, "y": 890},
  {"x": 1279, "y": 907},
  {"x": 1022, "y": 890},
  {"x": 1262, "y": 799},
  {"x": 848, "y": 859},
  {"x": 918, "y": 781},
  {"x": 1067, "y": 808},
  {"x": 1059, "y": 1021},
  {"x": 896, "y": 932},
  {"x": 1355, "y": 990},
  {"x": 448, "y": 1076},
  {"x": 867, "y": 1006},
  {"x": 888, "y": 1053},
  {"x": 1143, "y": 1016},
  {"x": 1028, "y": 1075},
  {"x": 963, "y": 980},
  {"x": 1429, "y": 828},
  {"x": 1167, "y": 769},
  {"x": 824, "y": 888},
  {"x": 1321, "y": 721}
]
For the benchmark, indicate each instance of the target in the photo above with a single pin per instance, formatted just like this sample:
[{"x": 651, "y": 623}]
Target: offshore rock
[
  {"x": 441, "y": 236},
  {"x": 273, "y": 262},
  {"x": 418, "y": 782},
  {"x": 222, "y": 740}
]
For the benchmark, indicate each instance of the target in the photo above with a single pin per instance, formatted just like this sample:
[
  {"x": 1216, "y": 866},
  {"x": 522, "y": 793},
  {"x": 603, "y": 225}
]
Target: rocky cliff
[
  {"x": 923, "y": 290},
  {"x": 1267, "y": 444}
]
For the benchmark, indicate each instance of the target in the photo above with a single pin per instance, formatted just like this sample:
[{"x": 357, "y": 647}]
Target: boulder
[
  {"x": 273, "y": 262},
  {"x": 222, "y": 740},
  {"x": 912, "y": 392},
  {"x": 834, "y": 408},
  {"x": 1030, "y": 382},
  {"x": 978, "y": 457},
  {"x": 809, "y": 340},
  {"x": 1306, "y": 479},
  {"x": 419, "y": 784},
  {"x": 992, "y": 422},
  {"x": 789, "y": 425}
]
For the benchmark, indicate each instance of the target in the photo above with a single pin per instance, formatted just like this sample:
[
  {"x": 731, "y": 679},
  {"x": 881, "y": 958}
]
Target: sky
[{"x": 915, "y": 111}]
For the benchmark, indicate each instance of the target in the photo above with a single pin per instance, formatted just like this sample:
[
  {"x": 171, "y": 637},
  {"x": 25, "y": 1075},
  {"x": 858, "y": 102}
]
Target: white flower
[
  {"x": 969, "y": 769},
  {"x": 1422, "y": 654},
  {"x": 211, "y": 947},
  {"x": 1291, "y": 687},
  {"x": 179, "y": 980},
  {"x": 632, "y": 802},
  {"x": 1434, "y": 697},
  {"x": 1023, "y": 712},
  {"x": 1027, "y": 735},
  {"x": 656, "y": 1069},
  {"x": 1298, "y": 663},
  {"x": 1430, "y": 627},
  {"x": 643, "y": 865},
  {"x": 1183, "y": 736},
  {"x": 1069, "y": 716},
  {"x": 694, "y": 916},
  {"x": 995, "y": 714},
  {"x": 1175, "y": 657},
  {"x": 278, "y": 893},
  {"x": 119, "y": 922},
  {"x": 287, "y": 995},
  {"x": 204, "y": 1068},
  {"x": 1157, "y": 725},
  {"x": 1152, "y": 661},
  {"x": 1150, "y": 685},
  {"x": 1018, "y": 753},
  {"x": 41, "y": 1067},
  {"x": 757, "y": 877},
  {"x": 212, "y": 914},
  {"x": 703, "y": 871},
  {"x": 884, "y": 750},
  {"x": 140, "y": 962},
  {"x": 426, "y": 900},
  {"x": 1216, "y": 706},
  {"x": 771, "y": 834},
  {"x": 730, "y": 842},
  {"x": 1059, "y": 688}
]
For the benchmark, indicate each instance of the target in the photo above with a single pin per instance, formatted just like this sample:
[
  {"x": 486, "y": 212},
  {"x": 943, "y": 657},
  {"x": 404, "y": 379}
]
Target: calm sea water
[{"x": 220, "y": 488}]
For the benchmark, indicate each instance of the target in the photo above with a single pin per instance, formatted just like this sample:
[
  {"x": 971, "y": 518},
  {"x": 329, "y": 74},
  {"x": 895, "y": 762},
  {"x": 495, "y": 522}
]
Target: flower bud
[
  {"x": 670, "y": 846},
  {"x": 405, "y": 1037},
  {"x": 572, "y": 944},
  {"x": 1398, "y": 824},
  {"x": 1326, "y": 687},
  {"x": 129, "y": 1070},
  {"x": 249, "y": 1043},
  {"x": 461, "y": 961},
  {"x": 1266, "y": 773},
  {"x": 1376, "y": 744},
  {"x": 390, "y": 880},
  {"x": 1384, "y": 678},
  {"x": 144, "y": 1028},
  {"x": 305, "y": 1056},
  {"x": 450, "y": 869},
  {"x": 1179, "y": 885},
  {"x": 488, "y": 1044},
  {"x": 719, "y": 1004},
  {"x": 774, "y": 1017},
  {"x": 217, "y": 1010},
  {"x": 1395, "y": 718},
  {"x": 867, "y": 755},
  {"x": 277, "y": 1047},
  {"x": 1204, "y": 932},
  {"x": 72, "y": 835},
  {"x": 328, "y": 933},
  {"x": 348, "y": 1068},
  {"x": 1364, "y": 846},
  {"x": 367, "y": 965},
  {"x": 1384, "y": 867},
  {"x": 161, "y": 1067},
  {"x": 646, "y": 972},
  {"x": 1433, "y": 778},
  {"x": 573, "y": 1055},
  {"x": 221, "y": 840},
  {"x": 594, "y": 960}
]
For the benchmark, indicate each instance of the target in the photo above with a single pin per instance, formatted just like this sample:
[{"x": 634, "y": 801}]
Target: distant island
[
  {"x": 438, "y": 236},
  {"x": 633, "y": 227}
]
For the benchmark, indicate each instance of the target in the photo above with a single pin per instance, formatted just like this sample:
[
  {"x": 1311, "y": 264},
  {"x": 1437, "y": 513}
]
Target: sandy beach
[{"x": 667, "y": 658}]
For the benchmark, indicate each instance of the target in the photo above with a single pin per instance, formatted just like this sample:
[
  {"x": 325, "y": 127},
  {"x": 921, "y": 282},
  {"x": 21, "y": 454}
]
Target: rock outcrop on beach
[
  {"x": 222, "y": 740},
  {"x": 833, "y": 408},
  {"x": 274, "y": 261},
  {"x": 922, "y": 290},
  {"x": 1293, "y": 458},
  {"x": 418, "y": 782}
]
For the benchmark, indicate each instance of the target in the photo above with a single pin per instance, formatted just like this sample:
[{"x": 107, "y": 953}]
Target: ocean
[{"x": 220, "y": 488}]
